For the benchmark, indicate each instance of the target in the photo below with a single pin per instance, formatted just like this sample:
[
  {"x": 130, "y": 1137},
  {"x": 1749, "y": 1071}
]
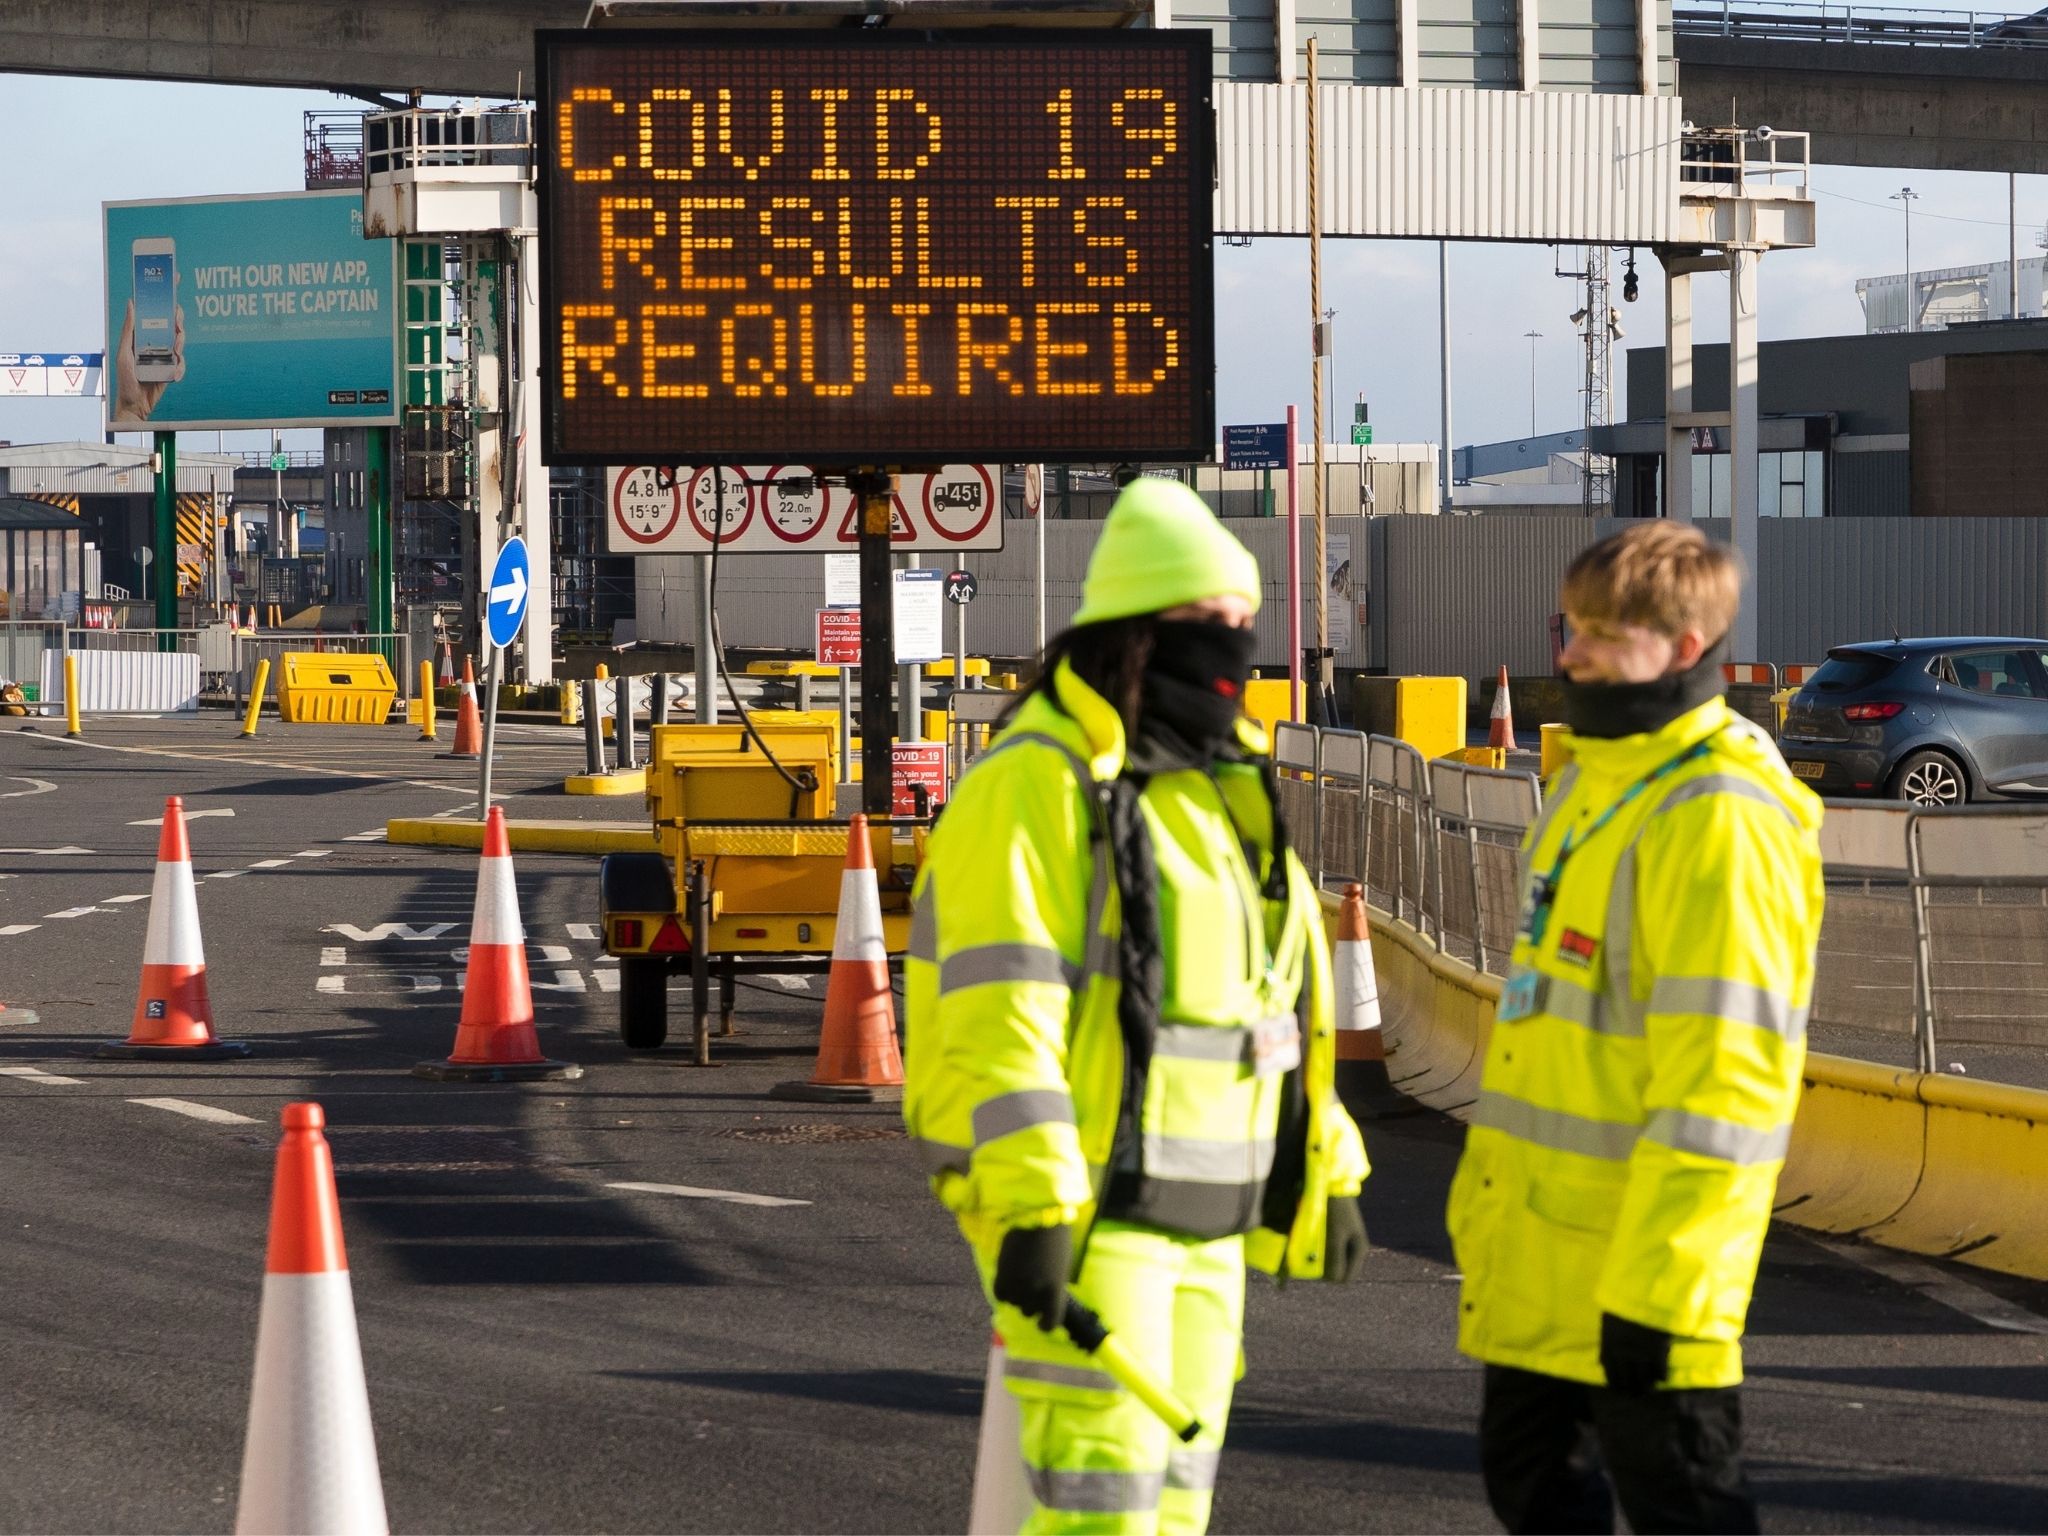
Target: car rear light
[
  {"x": 1881, "y": 711},
  {"x": 626, "y": 933},
  {"x": 753, "y": 933},
  {"x": 670, "y": 940}
]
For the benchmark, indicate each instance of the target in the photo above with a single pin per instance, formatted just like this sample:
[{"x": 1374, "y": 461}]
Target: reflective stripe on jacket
[
  {"x": 1630, "y": 1128},
  {"x": 1014, "y": 1056}
]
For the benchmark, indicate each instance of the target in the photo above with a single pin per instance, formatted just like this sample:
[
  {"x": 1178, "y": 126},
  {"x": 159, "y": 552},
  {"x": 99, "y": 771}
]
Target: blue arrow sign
[{"x": 509, "y": 592}]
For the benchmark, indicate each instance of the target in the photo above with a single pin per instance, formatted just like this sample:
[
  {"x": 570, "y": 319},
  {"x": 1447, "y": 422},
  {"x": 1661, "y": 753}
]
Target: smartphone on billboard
[{"x": 156, "y": 303}]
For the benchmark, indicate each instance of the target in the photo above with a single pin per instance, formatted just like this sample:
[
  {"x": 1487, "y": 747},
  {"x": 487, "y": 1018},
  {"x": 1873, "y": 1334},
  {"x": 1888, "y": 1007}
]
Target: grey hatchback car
[{"x": 1936, "y": 722}]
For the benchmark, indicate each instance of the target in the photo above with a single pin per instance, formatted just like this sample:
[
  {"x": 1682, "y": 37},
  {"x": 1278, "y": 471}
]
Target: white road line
[
  {"x": 312, "y": 853},
  {"x": 270, "y": 864},
  {"x": 116, "y": 901},
  {"x": 365, "y": 837},
  {"x": 41, "y": 787},
  {"x": 226, "y": 874},
  {"x": 9, "y": 1016},
  {"x": 14, "y": 928},
  {"x": 38, "y": 1075},
  {"x": 729, "y": 1196},
  {"x": 582, "y": 931},
  {"x": 157, "y": 821},
  {"x": 47, "y": 852},
  {"x": 204, "y": 1112},
  {"x": 334, "y": 954},
  {"x": 1939, "y": 1285},
  {"x": 73, "y": 912}
]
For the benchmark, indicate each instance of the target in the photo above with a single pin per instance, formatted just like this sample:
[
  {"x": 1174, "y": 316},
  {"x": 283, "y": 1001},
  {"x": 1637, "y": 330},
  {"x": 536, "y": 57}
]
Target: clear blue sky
[{"x": 93, "y": 141}]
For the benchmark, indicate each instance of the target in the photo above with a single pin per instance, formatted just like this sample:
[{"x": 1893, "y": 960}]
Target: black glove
[
  {"x": 1635, "y": 1359},
  {"x": 1344, "y": 1244},
  {"x": 1031, "y": 1272}
]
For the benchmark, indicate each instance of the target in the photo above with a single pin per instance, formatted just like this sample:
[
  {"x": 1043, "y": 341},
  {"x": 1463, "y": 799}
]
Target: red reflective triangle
[{"x": 670, "y": 940}]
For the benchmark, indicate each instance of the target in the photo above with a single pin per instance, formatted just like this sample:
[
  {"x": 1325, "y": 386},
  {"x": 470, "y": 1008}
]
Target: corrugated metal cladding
[
  {"x": 1452, "y": 164},
  {"x": 1870, "y": 484},
  {"x": 1469, "y": 43},
  {"x": 768, "y": 601}
]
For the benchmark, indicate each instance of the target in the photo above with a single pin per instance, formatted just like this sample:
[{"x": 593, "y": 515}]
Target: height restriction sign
[{"x": 768, "y": 509}]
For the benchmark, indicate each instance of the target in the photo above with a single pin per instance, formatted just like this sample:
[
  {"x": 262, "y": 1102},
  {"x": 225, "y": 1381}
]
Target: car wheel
[
  {"x": 643, "y": 1004},
  {"x": 1930, "y": 778}
]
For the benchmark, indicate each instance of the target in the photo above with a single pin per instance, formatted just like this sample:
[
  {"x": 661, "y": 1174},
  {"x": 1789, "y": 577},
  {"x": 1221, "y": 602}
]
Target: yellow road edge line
[{"x": 593, "y": 837}]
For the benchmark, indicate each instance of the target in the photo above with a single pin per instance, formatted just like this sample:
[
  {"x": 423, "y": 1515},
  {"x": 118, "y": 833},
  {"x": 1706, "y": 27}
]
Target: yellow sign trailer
[{"x": 748, "y": 875}]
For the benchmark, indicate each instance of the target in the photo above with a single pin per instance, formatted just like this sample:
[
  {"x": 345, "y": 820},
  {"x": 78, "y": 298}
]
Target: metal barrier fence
[
  {"x": 1936, "y": 925},
  {"x": 247, "y": 648}
]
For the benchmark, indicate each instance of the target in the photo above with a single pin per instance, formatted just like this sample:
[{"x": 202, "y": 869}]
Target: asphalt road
[{"x": 548, "y": 1352}]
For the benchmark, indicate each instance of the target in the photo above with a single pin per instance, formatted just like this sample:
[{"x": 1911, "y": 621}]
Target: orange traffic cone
[
  {"x": 1500, "y": 728},
  {"x": 447, "y": 678},
  {"x": 1361, "y": 1047},
  {"x": 495, "y": 1042},
  {"x": 309, "y": 1462},
  {"x": 858, "y": 1061},
  {"x": 469, "y": 723},
  {"x": 173, "y": 1019},
  {"x": 1002, "y": 1499}
]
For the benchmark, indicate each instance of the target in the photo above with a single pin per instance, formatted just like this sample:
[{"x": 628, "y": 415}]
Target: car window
[
  {"x": 1845, "y": 670},
  {"x": 2001, "y": 674}
]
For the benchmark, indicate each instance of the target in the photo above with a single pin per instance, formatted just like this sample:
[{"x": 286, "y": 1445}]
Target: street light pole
[
  {"x": 1906, "y": 197},
  {"x": 1534, "y": 337}
]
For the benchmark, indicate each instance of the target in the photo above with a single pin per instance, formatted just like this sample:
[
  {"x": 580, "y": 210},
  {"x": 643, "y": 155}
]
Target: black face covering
[
  {"x": 1629, "y": 709},
  {"x": 1192, "y": 692}
]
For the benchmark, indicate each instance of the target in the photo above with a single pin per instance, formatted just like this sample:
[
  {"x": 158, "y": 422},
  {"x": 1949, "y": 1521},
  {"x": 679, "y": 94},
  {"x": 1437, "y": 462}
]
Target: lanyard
[{"x": 1543, "y": 891}]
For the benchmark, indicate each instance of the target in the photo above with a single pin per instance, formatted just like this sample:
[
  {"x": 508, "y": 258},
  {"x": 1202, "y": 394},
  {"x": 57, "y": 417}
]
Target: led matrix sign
[{"x": 855, "y": 247}]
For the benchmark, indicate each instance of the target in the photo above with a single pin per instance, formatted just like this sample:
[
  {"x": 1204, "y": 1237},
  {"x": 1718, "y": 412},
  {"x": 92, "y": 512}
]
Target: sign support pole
[
  {"x": 1034, "y": 508},
  {"x": 877, "y": 639},
  {"x": 846, "y": 725},
  {"x": 1294, "y": 562},
  {"x": 165, "y": 536},
  {"x": 377, "y": 510},
  {"x": 960, "y": 649},
  {"x": 910, "y": 680},
  {"x": 707, "y": 659},
  {"x": 491, "y": 669}
]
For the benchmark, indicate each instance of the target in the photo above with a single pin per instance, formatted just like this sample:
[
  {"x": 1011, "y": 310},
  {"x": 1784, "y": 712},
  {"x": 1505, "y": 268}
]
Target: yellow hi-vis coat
[
  {"x": 1013, "y": 1055},
  {"x": 1645, "y": 1061}
]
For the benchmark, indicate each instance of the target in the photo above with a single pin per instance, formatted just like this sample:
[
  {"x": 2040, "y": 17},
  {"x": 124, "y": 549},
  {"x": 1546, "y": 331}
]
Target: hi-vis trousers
[{"x": 1096, "y": 1459}]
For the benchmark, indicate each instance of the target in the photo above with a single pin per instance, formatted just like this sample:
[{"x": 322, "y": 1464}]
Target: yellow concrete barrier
[
  {"x": 1924, "y": 1162},
  {"x": 335, "y": 688},
  {"x": 1556, "y": 742}
]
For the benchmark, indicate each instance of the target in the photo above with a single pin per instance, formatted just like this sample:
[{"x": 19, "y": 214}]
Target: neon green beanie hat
[{"x": 1160, "y": 547}]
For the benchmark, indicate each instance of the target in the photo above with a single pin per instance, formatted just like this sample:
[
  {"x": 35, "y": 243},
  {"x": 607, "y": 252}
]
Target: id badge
[
  {"x": 1521, "y": 997},
  {"x": 1276, "y": 1045}
]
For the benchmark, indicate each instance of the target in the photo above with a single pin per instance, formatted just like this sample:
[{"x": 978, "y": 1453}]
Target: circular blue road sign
[{"x": 509, "y": 592}]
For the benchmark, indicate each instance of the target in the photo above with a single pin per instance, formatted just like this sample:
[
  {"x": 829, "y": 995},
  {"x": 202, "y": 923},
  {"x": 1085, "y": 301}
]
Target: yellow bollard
[
  {"x": 572, "y": 703},
  {"x": 603, "y": 671},
  {"x": 427, "y": 702},
  {"x": 1557, "y": 750},
  {"x": 256, "y": 696},
  {"x": 71, "y": 725}
]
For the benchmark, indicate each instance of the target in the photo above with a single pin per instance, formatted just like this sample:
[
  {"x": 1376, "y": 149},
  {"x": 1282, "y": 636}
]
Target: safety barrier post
[
  {"x": 593, "y": 729},
  {"x": 256, "y": 693},
  {"x": 1316, "y": 801},
  {"x": 71, "y": 725},
  {"x": 657, "y": 704},
  {"x": 427, "y": 702},
  {"x": 622, "y": 711}
]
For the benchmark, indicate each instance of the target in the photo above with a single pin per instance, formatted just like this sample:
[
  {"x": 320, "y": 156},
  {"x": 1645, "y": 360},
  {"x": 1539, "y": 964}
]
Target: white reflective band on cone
[
  {"x": 173, "y": 936},
  {"x": 1358, "y": 988},
  {"x": 1002, "y": 1499},
  {"x": 859, "y": 934},
  {"x": 310, "y": 1462},
  {"x": 495, "y": 918}
]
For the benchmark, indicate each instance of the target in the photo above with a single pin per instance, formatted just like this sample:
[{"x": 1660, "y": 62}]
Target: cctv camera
[{"x": 1762, "y": 134}]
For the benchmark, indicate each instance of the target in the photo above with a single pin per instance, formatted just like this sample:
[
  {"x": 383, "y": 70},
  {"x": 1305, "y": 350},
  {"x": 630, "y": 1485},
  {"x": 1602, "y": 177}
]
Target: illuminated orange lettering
[
  {"x": 1165, "y": 133},
  {"x": 768, "y": 371},
  {"x": 926, "y": 278},
  {"x": 1027, "y": 237},
  {"x": 884, "y": 150},
  {"x": 807, "y": 352},
  {"x": 654, "y": 351},
  {"x": 896, "y": 244},
  {"x": 691, "y": 133},
  {"x": 565, "y": 134},
  {"x": 777, "y": 123},
  {"x": 831, "y": 170},
  {"x": 613, "y": 246},
  {"x": 802, "y": 211},
  {"x": 1096, "y": 240},
  {"x": 1120, "y": 349},
  {"x": 592, "y": 356},
  {"x": 689, "y": 241},
  {"x": 913, "y": 372},
  {"x": 1048, "y": 349},
  {"x": 1067, "y": 167},
  {"x": 989, "y": 354}
]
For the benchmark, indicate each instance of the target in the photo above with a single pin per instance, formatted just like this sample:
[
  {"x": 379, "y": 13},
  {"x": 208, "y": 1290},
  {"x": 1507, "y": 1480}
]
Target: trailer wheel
[{"x": 643, "y": 1004}]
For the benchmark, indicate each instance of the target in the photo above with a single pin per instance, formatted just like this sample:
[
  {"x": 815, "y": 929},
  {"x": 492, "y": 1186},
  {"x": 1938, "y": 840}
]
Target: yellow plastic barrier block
[
  {"x": 1266, "y": 701},
  {"x": 1482, "y": 757},
  {"x": 1557, "y": 749},
  {"x": 1429, "y": 714},
  {"x": 790, "y": 669},
  {"x": 977, "y": 666},
  {"x": 335, "y": 688}
]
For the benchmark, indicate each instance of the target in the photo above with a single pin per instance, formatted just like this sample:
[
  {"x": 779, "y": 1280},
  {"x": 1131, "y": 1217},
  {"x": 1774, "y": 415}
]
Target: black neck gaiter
[
  {"x": 1630, "y": 709},
  {"x": 1191, "y": 694}
]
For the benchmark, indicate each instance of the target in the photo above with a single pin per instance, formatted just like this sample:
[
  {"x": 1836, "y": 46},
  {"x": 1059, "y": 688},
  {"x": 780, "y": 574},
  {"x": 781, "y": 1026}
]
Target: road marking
[
  {"x": 204, "y": 1112},
  {"x": 729, "y": 1196},
  {"x": 583, "y": 931},
  {"x": 116, "y": 901},
  {"x": 51, "y": 852},
  {"x": 10, "y": 1016},
  {"x": 337, "y": 986},
  {"x": 383, "y": 931},
  {"x": 73, "y": 912},
  {"x": 334, "y": 954},
  {"x": 42, "y": 787},
  {"x": 38, "y": 1075},
  {"x": 365, "y": 837},
  {"x": 270, "y": 864},
  {"x": 157, "y": 821},
  {"x": 607, "y": 981},
  {"x": 1938, "y": 1285},
  {"x": 227, "y": 874},
  {"x": 312, "y": 853},
  {"x": 13, "y": 928}
]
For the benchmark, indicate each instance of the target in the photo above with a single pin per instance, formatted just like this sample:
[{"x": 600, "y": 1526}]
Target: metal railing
[
  {"x": 246, "y": 648},
  {"x": 1936, "y": 926},
  {"x": 1893, "y": 26}
]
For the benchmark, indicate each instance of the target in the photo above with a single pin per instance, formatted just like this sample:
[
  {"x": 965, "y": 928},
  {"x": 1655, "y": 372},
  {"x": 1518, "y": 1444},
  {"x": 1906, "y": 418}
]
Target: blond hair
[{"x": 1664, "y": 576}]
